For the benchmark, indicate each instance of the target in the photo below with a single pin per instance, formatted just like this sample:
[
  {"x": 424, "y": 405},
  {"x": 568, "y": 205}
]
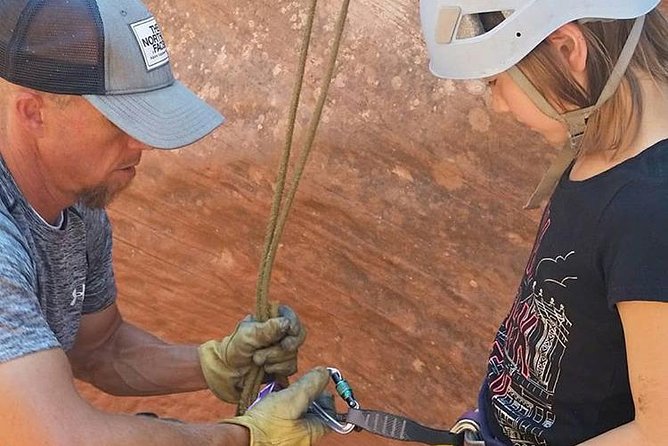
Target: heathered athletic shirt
[{"x": 49, "y": 276}]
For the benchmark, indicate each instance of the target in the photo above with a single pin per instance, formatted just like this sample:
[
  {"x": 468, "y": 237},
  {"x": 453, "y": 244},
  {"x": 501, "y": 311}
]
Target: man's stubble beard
[{"x": 99, "y": 197}]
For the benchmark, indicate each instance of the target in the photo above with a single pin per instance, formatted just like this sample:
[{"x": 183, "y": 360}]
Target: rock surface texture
[{"x": 407, "y": 238}]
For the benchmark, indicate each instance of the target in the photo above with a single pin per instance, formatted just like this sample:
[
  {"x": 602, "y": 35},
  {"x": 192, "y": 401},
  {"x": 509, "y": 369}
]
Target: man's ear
[
  {"x": 570, "y": 43},
  {"x": 28, "y": 110}
]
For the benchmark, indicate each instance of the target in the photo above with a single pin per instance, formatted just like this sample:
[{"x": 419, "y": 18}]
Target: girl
[{"x": 580, "y": 358}]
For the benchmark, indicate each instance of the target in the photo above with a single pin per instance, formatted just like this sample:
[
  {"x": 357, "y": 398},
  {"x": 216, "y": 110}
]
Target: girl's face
[{"x": 508, "y": 97}]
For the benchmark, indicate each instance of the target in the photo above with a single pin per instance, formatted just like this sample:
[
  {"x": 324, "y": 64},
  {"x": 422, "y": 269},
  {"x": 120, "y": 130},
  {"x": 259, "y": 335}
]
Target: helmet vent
[
  {"x": 474, "y": 25},
  {"x": 491, "y": 20}
]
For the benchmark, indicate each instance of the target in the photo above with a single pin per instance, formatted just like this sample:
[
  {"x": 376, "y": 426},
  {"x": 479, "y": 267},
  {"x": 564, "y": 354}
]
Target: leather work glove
[
  {"x": 272, "y": 345},
  {"x": 280, "y": 419}
]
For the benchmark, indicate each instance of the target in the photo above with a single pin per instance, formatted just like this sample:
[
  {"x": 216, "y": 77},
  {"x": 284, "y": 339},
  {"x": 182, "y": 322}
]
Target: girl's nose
[{"x": 499, "y": 104}]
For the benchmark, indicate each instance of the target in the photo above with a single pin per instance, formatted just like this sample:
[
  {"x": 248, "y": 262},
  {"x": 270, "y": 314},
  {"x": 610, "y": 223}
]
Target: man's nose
[{"x": 138, "y": 145}]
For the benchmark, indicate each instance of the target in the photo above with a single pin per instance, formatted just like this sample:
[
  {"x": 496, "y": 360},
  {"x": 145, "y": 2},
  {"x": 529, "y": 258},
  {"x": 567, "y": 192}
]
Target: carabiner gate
[{"x": 344, "y": 390}]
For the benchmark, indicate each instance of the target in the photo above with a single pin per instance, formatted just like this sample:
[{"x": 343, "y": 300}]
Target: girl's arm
[{"x": 646, "y": 333}]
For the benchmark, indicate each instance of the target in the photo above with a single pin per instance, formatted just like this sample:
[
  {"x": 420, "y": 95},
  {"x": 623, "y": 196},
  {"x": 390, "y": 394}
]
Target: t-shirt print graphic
[{"x": 524, "y": 366}]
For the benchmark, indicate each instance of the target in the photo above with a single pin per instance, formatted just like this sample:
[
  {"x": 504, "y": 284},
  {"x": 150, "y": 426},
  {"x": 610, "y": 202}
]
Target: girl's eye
[{"x": 491, "y": 82}]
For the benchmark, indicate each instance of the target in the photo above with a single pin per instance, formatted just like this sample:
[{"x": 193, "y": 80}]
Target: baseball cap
[{"x": 113, "y": 54}]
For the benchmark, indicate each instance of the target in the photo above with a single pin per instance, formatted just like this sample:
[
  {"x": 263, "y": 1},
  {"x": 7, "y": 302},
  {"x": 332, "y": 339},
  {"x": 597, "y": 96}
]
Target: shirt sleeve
[
  {"x": 634, "y": 233},
  {"x": 100, "y": 281},
  {"x": 23, "y": 329}
]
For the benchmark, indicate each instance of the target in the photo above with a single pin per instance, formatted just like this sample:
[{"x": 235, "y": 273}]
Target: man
[{"x": 86, "y": 88}]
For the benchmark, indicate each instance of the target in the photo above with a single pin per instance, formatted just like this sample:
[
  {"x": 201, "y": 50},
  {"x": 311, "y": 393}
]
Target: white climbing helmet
[{"x": 462, "y": 45}]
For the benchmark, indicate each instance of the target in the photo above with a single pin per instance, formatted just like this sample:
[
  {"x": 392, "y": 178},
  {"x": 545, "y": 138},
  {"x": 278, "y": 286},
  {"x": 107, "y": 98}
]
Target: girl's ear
[{"x": 570, "y": 44}]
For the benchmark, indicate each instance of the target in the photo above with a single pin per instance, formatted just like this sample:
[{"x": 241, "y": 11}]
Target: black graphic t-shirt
[{"x": 557, "y": 373}]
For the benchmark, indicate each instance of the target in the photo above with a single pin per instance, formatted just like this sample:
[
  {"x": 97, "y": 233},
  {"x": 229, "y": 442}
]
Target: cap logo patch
[{"x": 151, "y": 43}]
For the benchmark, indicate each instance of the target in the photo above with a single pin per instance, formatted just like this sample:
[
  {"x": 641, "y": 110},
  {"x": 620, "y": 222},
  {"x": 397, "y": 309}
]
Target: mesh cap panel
[
  {"x": 52, "y": 45},
  {"x": 110, "y": 52}
]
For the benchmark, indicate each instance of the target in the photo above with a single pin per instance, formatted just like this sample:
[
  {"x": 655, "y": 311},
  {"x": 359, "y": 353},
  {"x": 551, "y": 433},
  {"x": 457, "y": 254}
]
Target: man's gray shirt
[{"x": 49, "y": 277}]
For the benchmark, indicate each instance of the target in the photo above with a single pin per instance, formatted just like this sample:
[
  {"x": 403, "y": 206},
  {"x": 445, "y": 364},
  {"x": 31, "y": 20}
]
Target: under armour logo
[{"x": 76, "y": 294}]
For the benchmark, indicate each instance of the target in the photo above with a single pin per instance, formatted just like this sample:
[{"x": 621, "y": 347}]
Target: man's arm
[
  {"x": 40, "y": 405},
  {"x": 122, "y": 359},
  {"x": 646, "y": 333}
]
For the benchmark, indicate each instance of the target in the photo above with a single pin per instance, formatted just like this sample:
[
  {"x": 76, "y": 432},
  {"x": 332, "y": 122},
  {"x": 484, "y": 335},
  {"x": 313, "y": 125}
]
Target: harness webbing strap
[{"x": 400, "y": 428}]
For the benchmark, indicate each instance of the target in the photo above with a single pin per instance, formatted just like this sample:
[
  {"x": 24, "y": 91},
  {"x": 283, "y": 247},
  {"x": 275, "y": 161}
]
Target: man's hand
[
  {"x": 279, "y": 418},
  {"x": 272, "y": 345}
]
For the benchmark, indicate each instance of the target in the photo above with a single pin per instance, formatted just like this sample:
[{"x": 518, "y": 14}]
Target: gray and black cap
[{"x": 112, "y": 53}]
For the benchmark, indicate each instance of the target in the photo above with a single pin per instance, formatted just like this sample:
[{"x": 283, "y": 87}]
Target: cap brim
[{"x": 167, "y": 118}]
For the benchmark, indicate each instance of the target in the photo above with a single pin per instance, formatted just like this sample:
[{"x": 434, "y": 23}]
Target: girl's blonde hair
[{"x": 616, "y": 124}]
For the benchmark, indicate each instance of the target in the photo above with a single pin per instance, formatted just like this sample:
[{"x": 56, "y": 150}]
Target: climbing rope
[{"x": 280, "y": 206}]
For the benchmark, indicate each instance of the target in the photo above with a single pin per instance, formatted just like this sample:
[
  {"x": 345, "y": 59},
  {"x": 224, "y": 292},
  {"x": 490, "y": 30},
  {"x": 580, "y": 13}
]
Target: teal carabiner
[{"x": 334, "y": 421}]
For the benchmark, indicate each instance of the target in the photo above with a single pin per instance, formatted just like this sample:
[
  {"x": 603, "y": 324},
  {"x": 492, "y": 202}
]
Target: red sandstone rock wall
[{"x": 407, "y": 237}]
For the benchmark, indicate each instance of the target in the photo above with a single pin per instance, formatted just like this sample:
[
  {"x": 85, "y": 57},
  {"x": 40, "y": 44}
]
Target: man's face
[{"x": 83, "y": 154}]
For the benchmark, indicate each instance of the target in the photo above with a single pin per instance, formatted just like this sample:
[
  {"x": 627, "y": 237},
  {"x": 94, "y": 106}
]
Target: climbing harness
[
  {"x": 380, "y": 423},
  {"x": 466, "y": 432},
  {"x": 281, "y": 205}
]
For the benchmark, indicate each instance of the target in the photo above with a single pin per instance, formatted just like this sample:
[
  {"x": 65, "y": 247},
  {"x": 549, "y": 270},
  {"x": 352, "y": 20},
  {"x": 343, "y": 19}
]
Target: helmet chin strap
[{"x": 575, "y": 120}]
